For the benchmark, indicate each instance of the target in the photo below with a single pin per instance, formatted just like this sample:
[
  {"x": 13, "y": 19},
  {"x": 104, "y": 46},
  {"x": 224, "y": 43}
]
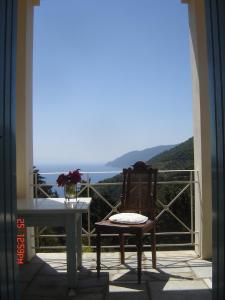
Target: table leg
[
  {"x": 79, "y": 241},
  {"x": 71, "y": 233}
]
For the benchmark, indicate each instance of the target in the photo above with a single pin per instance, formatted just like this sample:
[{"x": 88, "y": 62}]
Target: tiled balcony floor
[{"x": 179, "y": 275}]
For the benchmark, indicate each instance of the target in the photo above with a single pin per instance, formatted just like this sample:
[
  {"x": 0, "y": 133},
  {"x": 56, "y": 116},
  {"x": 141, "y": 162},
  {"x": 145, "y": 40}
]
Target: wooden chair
[{"x": 139, "y": 196}]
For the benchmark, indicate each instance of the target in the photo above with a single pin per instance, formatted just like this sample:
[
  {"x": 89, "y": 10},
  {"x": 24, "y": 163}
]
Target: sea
[{"x": 93, "y": 172}]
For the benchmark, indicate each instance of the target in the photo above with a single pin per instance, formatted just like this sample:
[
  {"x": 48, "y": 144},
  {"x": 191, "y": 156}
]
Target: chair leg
[
  {"x": 153, "y": 242},
  {"x": 122, "y": 248},
  {"x": 98, "y": 252},
  {"x": 139, "y": 255}
]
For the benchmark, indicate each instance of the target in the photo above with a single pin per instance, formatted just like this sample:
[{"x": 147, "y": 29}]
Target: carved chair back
[{"x": 139, "y": 189}]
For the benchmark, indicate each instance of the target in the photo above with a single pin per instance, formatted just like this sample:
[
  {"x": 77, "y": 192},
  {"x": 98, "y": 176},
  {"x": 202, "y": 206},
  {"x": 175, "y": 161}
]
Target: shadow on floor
[
  {"x": 38, "y": 280},
  {"x": 177, "y": 276}
]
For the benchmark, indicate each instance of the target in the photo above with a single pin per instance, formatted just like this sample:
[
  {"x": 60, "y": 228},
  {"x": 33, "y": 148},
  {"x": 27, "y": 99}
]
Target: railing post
[
  {"x": 88, "y": 185},
  {"x": 37, "y": 237},
  {"x": 192, "y": 207},
  {"x": 36, "y": 229},
  {"x": 89, "y": 215},
  {"x": 35, "y": 185},
  {"x": 89, "y": 228},
  {"x": 198, "y": 200}
]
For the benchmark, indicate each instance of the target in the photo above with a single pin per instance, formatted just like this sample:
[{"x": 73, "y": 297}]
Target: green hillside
[
  {"x": 180, "y": 157},
  {"x": 131, "y": 157}
]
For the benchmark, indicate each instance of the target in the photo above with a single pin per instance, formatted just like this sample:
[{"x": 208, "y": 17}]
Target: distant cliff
[{"x": 130, "y": 158}]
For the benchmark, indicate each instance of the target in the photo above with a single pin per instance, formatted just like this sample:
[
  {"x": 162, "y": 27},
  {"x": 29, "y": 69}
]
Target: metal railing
[{"x": 183, "y": 191}]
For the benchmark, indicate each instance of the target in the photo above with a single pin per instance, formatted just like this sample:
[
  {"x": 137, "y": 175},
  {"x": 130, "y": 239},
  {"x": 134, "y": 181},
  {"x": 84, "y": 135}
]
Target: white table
[{"x": 54, "y": 212}]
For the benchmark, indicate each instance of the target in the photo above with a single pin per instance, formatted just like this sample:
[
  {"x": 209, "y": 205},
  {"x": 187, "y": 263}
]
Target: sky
[{"x": 109, "y": 77}]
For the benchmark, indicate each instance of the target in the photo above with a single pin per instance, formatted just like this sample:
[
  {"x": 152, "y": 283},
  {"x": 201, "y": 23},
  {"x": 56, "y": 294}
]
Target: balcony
[
  {"x": 180, "y": 274},
  {"x": 174, "y": 207}
]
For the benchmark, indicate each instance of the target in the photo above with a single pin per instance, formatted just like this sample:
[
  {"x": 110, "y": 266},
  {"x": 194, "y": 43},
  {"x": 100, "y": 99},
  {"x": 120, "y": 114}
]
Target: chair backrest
[{"x": 139, "y": 189}]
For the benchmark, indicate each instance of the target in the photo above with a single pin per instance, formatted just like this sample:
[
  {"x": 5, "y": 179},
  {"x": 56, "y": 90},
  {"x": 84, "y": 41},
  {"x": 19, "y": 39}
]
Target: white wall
[{"x": 201, "y": 117}]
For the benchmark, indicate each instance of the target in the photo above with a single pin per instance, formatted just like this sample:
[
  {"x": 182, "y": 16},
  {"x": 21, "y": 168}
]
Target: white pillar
[
  {"x": 24, "y": 111},
  {"x": 201, "y": 117}
]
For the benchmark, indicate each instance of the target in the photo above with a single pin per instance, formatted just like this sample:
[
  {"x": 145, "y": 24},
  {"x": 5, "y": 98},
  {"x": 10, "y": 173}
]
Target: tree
[{"x": 41, "y": 189}]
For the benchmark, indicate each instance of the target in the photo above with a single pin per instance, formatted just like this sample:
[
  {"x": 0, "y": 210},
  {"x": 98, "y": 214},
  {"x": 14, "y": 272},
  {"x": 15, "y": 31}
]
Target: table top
[{"x": 54, "y": 205}]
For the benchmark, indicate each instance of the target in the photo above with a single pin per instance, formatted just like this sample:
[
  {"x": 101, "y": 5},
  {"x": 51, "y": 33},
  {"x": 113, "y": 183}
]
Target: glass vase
[{"x": 70, "y": 191}]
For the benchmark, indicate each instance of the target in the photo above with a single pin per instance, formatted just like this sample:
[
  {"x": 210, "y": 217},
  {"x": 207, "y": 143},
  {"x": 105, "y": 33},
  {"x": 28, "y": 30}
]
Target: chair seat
[{"x": 111, "y": 227}]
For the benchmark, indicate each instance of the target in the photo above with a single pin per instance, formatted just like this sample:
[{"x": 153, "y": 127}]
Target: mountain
[
  {"x": 130, "y": 158},
  {"x": 179, "y": 157}
]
